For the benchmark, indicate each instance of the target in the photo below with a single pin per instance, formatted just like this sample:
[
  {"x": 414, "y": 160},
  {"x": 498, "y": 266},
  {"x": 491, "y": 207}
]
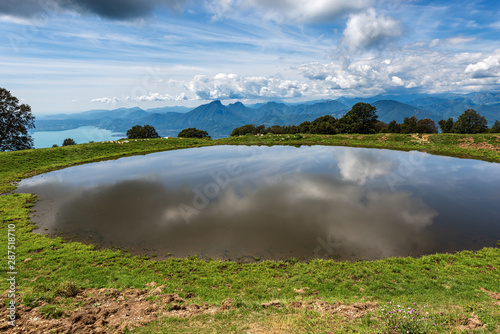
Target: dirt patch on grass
[
  {"x": 349, "y": 312},
  {"x": 104, "y": 311},
  {"x": 480, "y": 146},
  {"x": 114, "y": 311},
  {"x": 493, "y": 295},
  {"x": 420, "y": 138},
  {"x": 383, "y": 138},
  {"x": 468, "y": 142},
  {"x": 471, "y": 323}
]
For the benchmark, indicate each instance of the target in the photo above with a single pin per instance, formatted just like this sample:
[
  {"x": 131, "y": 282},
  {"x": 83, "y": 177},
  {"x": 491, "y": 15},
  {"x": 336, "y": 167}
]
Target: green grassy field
[{"x": 454, "y": 292}]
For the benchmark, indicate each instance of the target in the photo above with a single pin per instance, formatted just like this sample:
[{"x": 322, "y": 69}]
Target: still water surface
[{"x": 274, "y": 203}]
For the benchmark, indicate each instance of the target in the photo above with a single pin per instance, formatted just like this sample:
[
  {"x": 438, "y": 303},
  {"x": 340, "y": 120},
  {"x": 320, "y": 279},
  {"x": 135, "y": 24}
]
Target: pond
[{"x": 249, "y": 202}]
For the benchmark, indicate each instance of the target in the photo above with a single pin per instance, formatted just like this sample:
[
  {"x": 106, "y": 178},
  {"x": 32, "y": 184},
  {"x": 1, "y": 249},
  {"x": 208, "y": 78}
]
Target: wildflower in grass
[{"x": 400, "y": 319}]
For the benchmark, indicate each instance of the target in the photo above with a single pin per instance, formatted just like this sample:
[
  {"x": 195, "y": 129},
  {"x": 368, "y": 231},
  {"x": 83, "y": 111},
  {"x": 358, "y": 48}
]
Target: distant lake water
[
  {"x": 274, "y": 202},
  {"x": 84, "y": 134}
]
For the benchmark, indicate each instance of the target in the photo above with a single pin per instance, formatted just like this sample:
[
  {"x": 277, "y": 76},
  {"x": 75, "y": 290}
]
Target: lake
[
  {"x": 84, "y": 134},
  {"x": 244, "y": 202}
]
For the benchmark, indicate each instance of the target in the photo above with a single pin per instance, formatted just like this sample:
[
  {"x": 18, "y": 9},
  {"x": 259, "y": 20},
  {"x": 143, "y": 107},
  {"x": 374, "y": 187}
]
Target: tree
[
  {"x": 381, "y": 126},
  {"x": 243, "y": 130},
  {"x": 193, "y": 133},
  {"x": 426, "y": 125},
  {"x": 15, "y": 120},
  {"x": 446, "y": 126},
  {"x": 276, "y": 129},
  {"x": 68, "y": 142},
  {"x": 470, "y": 122},
  {"x": 304, "y": 127},
  {"x": 362, "y": 118},
  {"x": 496, "y": 127},
  {"x": 140, "y": 132},
  {"x": 260, "y": 129},
  {"x": 393, "y": 127},
  {"x": 325, "y": 125},
  {"x": 409, "y": 125}
]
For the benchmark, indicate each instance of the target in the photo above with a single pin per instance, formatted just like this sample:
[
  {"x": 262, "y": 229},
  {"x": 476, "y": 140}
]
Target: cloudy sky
[{"x": 75, "y": 55}]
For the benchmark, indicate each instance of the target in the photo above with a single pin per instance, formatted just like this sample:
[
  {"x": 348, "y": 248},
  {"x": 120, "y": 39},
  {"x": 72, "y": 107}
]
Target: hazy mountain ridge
[{"x": 219, "y": 120}]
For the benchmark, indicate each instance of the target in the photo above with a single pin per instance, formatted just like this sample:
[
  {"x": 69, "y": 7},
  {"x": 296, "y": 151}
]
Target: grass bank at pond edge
[{"x": 58, "y": 279}]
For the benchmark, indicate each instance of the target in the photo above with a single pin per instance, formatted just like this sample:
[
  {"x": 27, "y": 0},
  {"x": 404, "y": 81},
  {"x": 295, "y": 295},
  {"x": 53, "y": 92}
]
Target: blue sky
[{"x": 75, "y": 55}]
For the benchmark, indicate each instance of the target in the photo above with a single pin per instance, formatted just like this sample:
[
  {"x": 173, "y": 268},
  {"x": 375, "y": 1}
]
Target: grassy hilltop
[{"x": 68, "y": 286}]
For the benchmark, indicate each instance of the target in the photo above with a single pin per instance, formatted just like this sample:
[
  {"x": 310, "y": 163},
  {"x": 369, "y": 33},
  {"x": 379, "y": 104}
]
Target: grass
[{"x": 51, "y": 271}]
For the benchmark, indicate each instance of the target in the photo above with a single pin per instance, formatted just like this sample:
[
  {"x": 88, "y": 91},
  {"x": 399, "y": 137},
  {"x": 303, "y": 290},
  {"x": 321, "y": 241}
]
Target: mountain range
[{"x": 219, "y": 120}]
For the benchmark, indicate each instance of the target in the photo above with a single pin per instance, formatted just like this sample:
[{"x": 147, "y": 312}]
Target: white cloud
[
  {"x": 151, "y": 97},
  {"x": 429, "y": 71},
  {"x": 434, "y": 42},
  {"x": 106, "y": 100},
  {"x": 367, "y": 30},
  {"x": 232, "y": 86},
  {"x": 488, "y": 67},
  {"x": 459, "y": 40},
  {"x": 495, "y": 25},
  {"x": 298, "y": 11},
  {"x": 16, "y": 20},
  {"x": 397, "y": 81}
]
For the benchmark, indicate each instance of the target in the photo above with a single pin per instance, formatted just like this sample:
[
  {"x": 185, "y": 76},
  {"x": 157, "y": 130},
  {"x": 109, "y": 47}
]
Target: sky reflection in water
[{"x": 275, "y": 202}]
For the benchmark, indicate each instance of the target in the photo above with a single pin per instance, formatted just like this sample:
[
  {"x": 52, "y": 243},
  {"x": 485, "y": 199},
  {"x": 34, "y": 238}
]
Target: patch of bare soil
[
  {"x": 105, "y": 311},
  {"x": 350, "y": 312},
  {"x": 468, "y": 142},
  {"x": 383, "y": 138},
  {"x": 493, "y": 295},
  {"x": 472, "y": 322},
  {"x": 421, "y": 138},
  {"x": 482, "y": 146}
]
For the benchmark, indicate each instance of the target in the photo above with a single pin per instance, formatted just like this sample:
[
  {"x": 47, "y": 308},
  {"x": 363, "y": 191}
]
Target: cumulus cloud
[
  {"x": 397, "y": 81},
  {"x": 488, "y": 67},
  {"x": 232, "y": 86},
  {"x": 367, "y": 30},
  {"x": 301, "y": 11},
  {"x": 111, "y": 9},
  {"x": 426, "y": 70},
  {"x": 429, "y": 70},
  {"x": 363, "y": 77}
]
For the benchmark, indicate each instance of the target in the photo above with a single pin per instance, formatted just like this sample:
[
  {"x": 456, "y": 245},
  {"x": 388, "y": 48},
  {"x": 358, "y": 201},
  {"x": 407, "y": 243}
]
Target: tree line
[
  {"x": 16, "y": 119},
  {"x": 362, "y": 119}
]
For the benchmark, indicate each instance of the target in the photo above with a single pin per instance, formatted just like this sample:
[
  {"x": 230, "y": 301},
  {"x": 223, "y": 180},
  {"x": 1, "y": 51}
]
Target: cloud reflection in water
[{"x": 279, "y": 202}]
